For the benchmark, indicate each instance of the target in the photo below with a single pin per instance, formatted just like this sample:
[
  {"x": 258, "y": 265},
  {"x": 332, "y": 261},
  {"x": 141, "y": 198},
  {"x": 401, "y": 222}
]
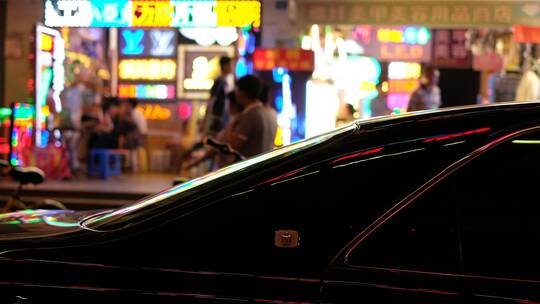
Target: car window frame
[{"x": 341, "y": 260}]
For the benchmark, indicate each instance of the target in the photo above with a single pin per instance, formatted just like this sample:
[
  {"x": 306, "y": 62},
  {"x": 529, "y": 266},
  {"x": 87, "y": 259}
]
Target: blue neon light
[
  {"x": 278, "y": 73},
  {"x": 242, "y": 68},
  {"x": 133, "y": 40}
]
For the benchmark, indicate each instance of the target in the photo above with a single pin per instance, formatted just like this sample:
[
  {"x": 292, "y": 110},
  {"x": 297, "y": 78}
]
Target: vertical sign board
[
  {"x": 49, "y": 78},
  {"x": 147, "y": 67},
  {"x": 198, "y": 67}
]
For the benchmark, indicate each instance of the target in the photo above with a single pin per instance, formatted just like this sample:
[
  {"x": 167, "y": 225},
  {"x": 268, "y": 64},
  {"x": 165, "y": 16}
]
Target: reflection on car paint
[
  {"x": 378, "y": 157},
  {"x": 363, "y": 153},
  {"x": 294, "y": 148},
  {"x": 457, "y": 134}
]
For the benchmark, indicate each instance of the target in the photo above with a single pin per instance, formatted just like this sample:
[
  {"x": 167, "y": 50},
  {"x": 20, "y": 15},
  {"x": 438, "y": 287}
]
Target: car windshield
[{"x": 175, "y": 194}]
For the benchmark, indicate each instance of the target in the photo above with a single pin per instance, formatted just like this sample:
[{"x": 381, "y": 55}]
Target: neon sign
[
  {"x": 133, "y": 42},
  {"x": 152, "y": 13},
  {"x": 155, "y": 112},
  {"x": 409, "y": 35},
  {"x": 224, "y": 36},
  {"x": 199, "y": 67},
  {"x": 146, "y": 91},
  {"x": 404, "y": 70},
  {"x": 21, "y": 136},
  {"x": 395, "y": 43},
  {"x": 157, "y": 43},
  {"x": 147, "y": 69},
  {"x": 50, "y": 56}
]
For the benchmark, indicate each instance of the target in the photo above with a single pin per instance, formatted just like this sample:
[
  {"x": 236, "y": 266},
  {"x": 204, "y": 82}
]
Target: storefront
[
  {"x": 369, "y": 55},
  {"x": 165, "y": 54}
]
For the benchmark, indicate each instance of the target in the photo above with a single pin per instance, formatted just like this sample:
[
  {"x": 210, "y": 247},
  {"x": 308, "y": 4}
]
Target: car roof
[{"x": 487, "y": 111}]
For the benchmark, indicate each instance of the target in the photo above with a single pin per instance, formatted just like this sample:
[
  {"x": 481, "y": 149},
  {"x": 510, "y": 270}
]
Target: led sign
[
  {"x": 224, "y": 36},
  {"x": 49, "y": 77},
  {"x": 146, "y": 91},
  {"x": 395, "y": 43},
  {"x": 147, "y": 69},
  {"x": 155, "y": 43},
  {"x": 292, "y": 59},
  {"x": 404, "y": 70},
  {"x": 155, "y": 112},
  {"x": 408, "y": 35},
  {"x": 199, "y": 66},
  {"x": 152, "y": 13}
]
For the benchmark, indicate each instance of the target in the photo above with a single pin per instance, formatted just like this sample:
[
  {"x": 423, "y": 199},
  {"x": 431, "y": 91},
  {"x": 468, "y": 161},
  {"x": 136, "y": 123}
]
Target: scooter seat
[{"x": 28, "y": 175}]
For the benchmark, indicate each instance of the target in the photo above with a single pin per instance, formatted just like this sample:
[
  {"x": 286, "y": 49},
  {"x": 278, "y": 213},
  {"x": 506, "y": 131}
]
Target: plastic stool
[{"x": 105, "y": 162}]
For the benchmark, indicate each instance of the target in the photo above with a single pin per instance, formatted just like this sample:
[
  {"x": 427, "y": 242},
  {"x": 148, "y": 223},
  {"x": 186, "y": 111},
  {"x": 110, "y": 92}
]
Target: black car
[{"x": 434, "y": 207}]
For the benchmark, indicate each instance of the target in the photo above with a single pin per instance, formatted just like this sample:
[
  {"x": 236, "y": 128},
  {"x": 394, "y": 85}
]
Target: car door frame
[{"x": 343, "y": 281}]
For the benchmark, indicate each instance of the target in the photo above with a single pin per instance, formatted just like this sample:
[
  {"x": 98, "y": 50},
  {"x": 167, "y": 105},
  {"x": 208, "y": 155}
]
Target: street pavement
[{"x": 93, "y": 193}]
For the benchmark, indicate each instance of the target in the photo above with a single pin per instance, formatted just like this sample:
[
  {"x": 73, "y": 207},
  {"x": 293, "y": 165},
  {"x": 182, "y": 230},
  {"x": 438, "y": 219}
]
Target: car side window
[
  {"x": 499, "y": 210},
  {"x": 482, "y": 220}
]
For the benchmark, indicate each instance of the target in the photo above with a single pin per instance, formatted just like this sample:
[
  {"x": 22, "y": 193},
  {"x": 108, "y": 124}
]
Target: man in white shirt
[
  {"x": 139, "y": 157},
  {"x": 255, "y": 129}
]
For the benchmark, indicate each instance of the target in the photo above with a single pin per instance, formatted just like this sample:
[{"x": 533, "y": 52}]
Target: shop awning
[{"x": 449, "y": 13}]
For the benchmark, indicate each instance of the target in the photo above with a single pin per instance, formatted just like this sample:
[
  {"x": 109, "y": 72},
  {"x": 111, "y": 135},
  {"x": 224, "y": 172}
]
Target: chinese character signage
[
  {"x": 449, "y": 50},
  {"x": 526, "y": 34},
  {"x": 291, "y": 59},
  {"x": 409, "y": 43},
  {"x": 438, "y": 13},
  {"x": 199, "y": 66},
  {"x": 152, "y": 13}
]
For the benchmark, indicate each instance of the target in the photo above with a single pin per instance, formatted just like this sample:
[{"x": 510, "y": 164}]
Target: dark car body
[{"x": 433, "y": 207}]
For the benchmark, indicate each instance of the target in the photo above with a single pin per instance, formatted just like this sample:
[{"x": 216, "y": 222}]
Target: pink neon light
[
  {"x": 397, "y": 100},
  {"x": 277, "y": 178},
  {"x": 459, "y": 134},
  {"x": 358, "y": 154}
]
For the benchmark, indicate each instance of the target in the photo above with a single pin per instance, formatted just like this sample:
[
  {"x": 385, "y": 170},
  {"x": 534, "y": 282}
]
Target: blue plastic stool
[{"x": 105, "y": 163}]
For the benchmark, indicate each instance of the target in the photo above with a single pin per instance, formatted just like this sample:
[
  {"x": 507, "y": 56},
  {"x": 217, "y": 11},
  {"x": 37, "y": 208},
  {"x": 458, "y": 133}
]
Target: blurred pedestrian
[
  {"x": 141, "y": 163},
  {"x": 103, "y": 127},
  {"x": 379, "y": 105},
  {"x": 224, "y": 136},
  {"x": 216, "y": 111},
  {"x": 428, "y": 95},
  {"x": 255, "y": 130}
]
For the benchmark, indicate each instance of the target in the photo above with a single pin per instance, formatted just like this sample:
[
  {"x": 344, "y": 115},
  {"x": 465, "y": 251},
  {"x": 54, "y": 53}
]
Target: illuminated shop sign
[
  {"x": 403, "y": 80},
  {"x": 408, "y": 35},
  {"x": 147, "y": 69},
  {"x": 470, "y": 13},
  {"x": 199, "y": 67},
  {"x": 155, "y": 111},
  {"x": 406, "y": 43},
  {"x": 146, "y": 91},
  {"x": 50, "y": 56},
  {"x": 291, "y": 59},
  {"x": 147, "y": 43},
  {"x": 404, "y": 70},
  {"x": 21, "y": 135},
  {"x": 224, "y": 36},
  {"x": 152, "y": 13}
]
